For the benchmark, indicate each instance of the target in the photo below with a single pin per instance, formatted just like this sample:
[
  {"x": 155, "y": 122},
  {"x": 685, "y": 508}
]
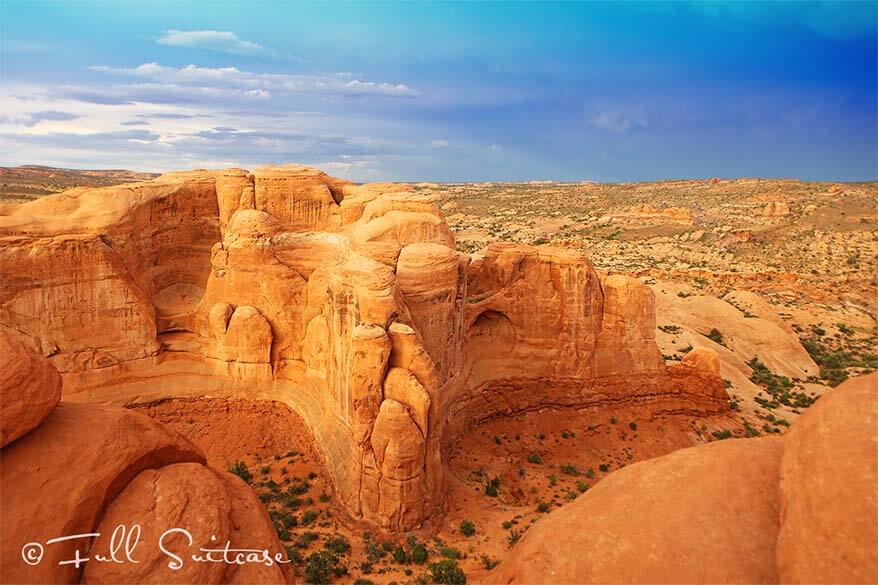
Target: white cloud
[
  {"x": 234, "y": 78},
  {"x": 439, "y": 144},
  {"x": 214, "y": 40},
  {"x": 495, "y": 149},
  {"x": 619, "y": 121}
]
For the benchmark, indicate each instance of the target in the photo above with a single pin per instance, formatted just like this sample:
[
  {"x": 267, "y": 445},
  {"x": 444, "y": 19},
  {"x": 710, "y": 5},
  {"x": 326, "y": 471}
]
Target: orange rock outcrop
[
  {"x": 90, "y": 468},
  {"x": 796, "y": 509},
  {"x": 347, "y": 302}
]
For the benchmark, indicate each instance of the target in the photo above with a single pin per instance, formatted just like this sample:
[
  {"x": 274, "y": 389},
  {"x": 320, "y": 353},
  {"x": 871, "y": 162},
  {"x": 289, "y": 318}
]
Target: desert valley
[{"x": 439, "y": 382}]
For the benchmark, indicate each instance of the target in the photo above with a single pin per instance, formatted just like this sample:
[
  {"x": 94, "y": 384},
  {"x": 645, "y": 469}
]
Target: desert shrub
[
  {"x": 569, "y": 469},
  {"x": 534, "y": 458},
  {"x": 716, "y": 336},
  {"x": 322, "y": 566},
  {"x": 467, "y": 528},
  {"x": 544, "y": 507},
  {"x": 446, "y": 572},
  {"x": 337, "y": 544},
  {"x": 604, "y": 467},
  {"x": 581, "y": 486},
  {"x": 493, "y": 487},
  {"x": 670, "y": 328},
  {"x": 239, "y": 468},
  {"x": 845, "y": 330},
  {"x": 294, "y": 556},
  {"x": 449, "y": 552},
  {"x": 632, "y": 425},
  {"x": 305, "y": 539},
  {"x": 419, "y": 554},
  {"x": 488, "y": 562},
  {"x": 723, "y": 434},
  {"x": 399, "y": 555},
  {"x": 514, "y": 537},
  {"x": 309, "y": 516},
  {"x": 780, "y": 388}
]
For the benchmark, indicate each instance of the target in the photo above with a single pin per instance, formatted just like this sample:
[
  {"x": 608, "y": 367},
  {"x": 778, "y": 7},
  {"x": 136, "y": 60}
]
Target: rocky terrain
[
  {"x": 414, "y": 400},
  {"x": 24, "y": 183}
]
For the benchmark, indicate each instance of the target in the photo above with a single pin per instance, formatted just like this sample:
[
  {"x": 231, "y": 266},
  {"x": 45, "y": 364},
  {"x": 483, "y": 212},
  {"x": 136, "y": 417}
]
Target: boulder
[
  {"x": 29, "y": 389},
  {"x": 829, "y": 501},
  {"x": 706, "y": 514}
]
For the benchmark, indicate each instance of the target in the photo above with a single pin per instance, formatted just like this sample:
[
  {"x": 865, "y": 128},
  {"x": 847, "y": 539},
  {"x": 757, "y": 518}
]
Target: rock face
[
  {"x": 89, "y": 468},
  {"x": 347, "y": 302},
  {"x": 28, "y": 392},
  {"x": 828, "y": 476},
  {"x": 797, "y": 509},
  {"x": 759, "y": 332}
]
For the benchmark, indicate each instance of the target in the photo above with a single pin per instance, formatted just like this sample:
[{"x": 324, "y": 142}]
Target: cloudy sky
[{"x": 445, "y": 91}]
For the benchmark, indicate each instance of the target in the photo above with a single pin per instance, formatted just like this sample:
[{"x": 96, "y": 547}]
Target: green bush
[
  {"x": 534, "y": 458},
  {"x": 400, "y": 556},
  {"x": 419, "y": 554},
  {"x": 337, "y": 544},
  {"x": 239, "y": 468},
  {"x": 322, "y": 567},
  {"x": 467, "y": 528},
  {"x": 716, "y": 336},
  {"x": 447, "y": 572},
  {"x": 493, "y": 487},
  {"x": 569, "y": 469}
]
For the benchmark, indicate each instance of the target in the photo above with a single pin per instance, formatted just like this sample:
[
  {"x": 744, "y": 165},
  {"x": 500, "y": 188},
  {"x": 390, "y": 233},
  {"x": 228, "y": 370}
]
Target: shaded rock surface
[
  {"x": 796, "y": 509},
  {"x": 90, "y": 468}
]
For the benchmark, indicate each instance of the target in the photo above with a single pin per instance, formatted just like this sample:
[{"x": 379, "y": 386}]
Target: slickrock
[
  {"x": 829, "y": 471},
  {"x": 29, "y": 389},
  {"x": 762, "y": 334},
  {"x": 796, "y": 509},
  {"x": 214, "y": 508},
  {"x": 347, "y": 302},
  {"x": 719, "y": 501},
  {"x": 89, "y": 468},
  {"x": 59, "y": 477}
]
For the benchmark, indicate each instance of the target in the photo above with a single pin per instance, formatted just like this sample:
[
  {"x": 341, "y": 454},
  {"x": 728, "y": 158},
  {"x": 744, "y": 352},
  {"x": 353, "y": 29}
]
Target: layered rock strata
[{"x": 347, "y": 302}]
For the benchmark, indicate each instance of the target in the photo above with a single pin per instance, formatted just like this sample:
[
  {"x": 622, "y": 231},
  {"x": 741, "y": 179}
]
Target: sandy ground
[{"x": 543, "y": 460}]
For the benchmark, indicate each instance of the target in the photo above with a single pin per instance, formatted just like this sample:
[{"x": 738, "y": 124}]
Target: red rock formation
[
  {"x": 88, "y": 468},
  {"x": 349, "y": 303},
  {"x": 28, "y": 392},
  {"x": 797, "y": 509}
]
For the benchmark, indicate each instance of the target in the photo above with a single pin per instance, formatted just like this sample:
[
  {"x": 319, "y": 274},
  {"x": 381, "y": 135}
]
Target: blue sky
[{"x": 446, "y": 91}]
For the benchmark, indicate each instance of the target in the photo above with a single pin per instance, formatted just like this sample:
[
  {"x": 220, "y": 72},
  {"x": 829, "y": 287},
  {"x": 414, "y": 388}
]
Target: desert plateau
[
  {"x": 439, "y": 293},
  {"x": 399, "y": 407}
]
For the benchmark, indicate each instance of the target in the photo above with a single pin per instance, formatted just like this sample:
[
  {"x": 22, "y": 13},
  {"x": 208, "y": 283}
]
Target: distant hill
[{"x": 32, "y": 181}]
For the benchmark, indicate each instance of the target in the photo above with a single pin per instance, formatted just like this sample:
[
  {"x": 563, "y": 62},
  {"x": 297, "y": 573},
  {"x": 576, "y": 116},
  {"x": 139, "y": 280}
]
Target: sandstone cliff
[{"x": 347, "y": 302}]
